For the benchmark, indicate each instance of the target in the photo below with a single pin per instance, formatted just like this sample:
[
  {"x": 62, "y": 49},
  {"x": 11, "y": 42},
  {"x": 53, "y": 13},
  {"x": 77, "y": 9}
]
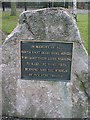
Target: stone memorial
[{"x": 45, "y": 67}]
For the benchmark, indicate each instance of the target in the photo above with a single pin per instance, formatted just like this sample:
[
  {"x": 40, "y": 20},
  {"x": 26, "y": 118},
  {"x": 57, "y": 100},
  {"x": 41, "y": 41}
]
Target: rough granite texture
[
  {"x": 1, "y": 37},
  {"x": 44, "y": 99}
]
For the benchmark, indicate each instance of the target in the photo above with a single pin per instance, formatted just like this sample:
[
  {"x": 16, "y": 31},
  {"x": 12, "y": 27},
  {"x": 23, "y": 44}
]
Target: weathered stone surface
[
  {"x": 44, "y": 98},
  {"x": 0, "y": 83},
  {"x": 2, "y": 37}
]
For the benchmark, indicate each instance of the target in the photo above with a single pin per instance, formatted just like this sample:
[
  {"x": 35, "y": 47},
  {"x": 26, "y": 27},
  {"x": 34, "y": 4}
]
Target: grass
[
  {"x": 10, "y": 22},
  {"x": 83, "y": 28},
  {"x": 0, "y": 20}
]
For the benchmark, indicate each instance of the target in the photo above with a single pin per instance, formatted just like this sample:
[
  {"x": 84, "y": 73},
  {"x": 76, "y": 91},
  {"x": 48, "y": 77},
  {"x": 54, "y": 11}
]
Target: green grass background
[
  {"x": 83, "y": 28},
  {"x": 9, "y": 23}
]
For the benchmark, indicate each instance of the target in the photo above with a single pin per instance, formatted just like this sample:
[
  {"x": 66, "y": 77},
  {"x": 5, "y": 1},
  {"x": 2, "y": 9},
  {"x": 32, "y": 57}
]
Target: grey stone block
[{"x": 44, "y": 99}]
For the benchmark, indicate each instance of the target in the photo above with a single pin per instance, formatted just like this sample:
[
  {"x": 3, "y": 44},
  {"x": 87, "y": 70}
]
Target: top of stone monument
[{"x": 51, "y": 24}]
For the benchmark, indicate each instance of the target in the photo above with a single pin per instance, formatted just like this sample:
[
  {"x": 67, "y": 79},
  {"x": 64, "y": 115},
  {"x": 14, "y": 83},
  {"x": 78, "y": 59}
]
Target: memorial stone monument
[{"x": 44, "y": 67}]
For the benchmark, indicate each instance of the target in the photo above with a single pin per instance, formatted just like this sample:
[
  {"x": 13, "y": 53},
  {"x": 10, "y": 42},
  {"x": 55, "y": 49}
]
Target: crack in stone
[{"x": 25, "y": 21}]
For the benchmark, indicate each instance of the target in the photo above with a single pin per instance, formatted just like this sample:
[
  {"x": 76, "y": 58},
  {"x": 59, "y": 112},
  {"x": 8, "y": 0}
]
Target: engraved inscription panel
[{"x": 46, "y": 60}]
